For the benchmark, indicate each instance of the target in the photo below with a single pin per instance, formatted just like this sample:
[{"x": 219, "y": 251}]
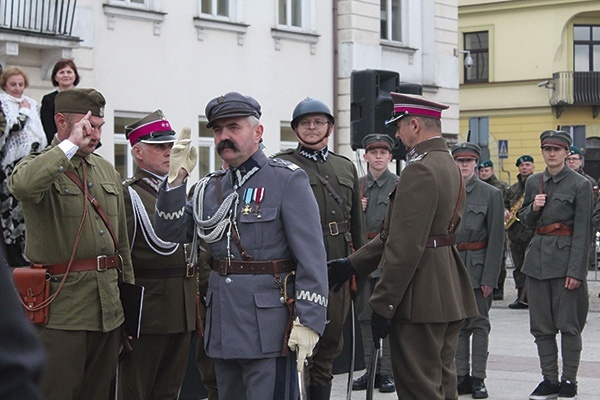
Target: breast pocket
[
  {"x": 562, "y": 204},
  {"x": 69, "y": 201},
  {"x": 111, "y": 193},
  {"x": 474, "y": 216},
  {"x": 260, "y": 228},
  {"x": 346, "y": 191}
]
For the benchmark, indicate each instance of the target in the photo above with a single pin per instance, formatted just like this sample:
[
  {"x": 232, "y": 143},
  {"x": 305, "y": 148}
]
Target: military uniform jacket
[
  {"x": 53, "y": 209},
  {"x": 517, "y": 233},
  {"x": 246, "y": 316},
  {"x": 377, "y": 191},
  {"x": 169, "y": 303},
  {"x": 568, "y": 201},
  {"x": 483, "y": 221},
  {"x": 342, "y": 175},
  {"x": 419, "y": 284},
  {"x": 497, "y": 183}
]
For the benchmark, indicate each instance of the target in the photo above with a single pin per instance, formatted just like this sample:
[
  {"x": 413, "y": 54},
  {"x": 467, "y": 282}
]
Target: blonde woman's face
[{"x": 15, "y": 85}]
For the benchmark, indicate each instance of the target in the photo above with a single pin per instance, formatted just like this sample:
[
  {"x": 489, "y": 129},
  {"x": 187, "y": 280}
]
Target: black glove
[
  {"x": 339, "y": 271},
  {"x": 380, "y": 326}
]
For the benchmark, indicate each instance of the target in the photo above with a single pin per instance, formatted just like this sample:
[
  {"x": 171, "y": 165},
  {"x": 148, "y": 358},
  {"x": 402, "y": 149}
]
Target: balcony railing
[
  {"x": 48, "y": 17},
  {"x": 576, "y": 89}
]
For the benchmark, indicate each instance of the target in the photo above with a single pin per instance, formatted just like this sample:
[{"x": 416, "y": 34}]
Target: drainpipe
[{"x": 335, "y": 72}]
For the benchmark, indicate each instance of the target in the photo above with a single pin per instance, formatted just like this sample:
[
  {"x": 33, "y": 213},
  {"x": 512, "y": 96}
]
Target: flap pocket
[
  {"x": 268, "y": 299},
  {"x": 263, "y": 215},
  {"x": 66, "y": 188}
]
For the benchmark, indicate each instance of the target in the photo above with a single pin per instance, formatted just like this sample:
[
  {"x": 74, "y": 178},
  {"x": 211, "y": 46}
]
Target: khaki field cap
[
  {"x": 80, "y": 101},
  {"x": 412, "y": 104},
  {"x": 556, "y": 139},
  {"x": 466, "y": 150},
  {"x": 152, "y": 129},
  {"x": 378, "y": 141},
  {"x": 229, "y": 105}
]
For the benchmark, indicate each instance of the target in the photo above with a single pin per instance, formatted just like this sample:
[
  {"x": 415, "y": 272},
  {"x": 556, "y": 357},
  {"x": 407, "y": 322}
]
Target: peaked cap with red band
[
  {"x": 552, "y": 138},
  {"x": 152, "y": 129},
  {"x": 410, "y": 104}
]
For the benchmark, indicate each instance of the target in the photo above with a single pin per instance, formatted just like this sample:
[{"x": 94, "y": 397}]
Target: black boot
[
  {"x": 479, "y": 389},
  {"x": 464, "y": 384},
  {"x": 520, "y": 303},
  {"x": 319, "y": 392}
]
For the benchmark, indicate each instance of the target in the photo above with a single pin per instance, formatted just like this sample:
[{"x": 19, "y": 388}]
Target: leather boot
[{"x": 319, "y": 392}]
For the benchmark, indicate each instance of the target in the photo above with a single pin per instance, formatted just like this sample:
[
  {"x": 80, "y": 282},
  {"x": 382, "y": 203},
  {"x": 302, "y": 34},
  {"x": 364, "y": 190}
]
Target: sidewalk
[{"x": 513, "y": 368}]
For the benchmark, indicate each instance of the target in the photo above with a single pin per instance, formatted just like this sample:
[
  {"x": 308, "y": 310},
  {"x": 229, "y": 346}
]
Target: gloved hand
[
  {"x": 380, "y": 327},
  {"x": 339, "y": 271},
  {"x": 183, "y": 155},
  {"x": 302, "y": 340}
]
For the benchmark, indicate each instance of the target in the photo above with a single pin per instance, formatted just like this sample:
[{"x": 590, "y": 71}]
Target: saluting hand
[
  {"x": 183, "y": 158},
  {"x": 81, "y": 134}
]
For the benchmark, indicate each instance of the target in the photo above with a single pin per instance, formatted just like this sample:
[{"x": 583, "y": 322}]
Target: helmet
[{"x": 310, "y": 106}]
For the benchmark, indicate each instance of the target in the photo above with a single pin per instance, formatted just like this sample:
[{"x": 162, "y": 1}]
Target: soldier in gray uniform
[
  {"x": 156, "y": 366},
  {"x": 558, "y": 204},
  {"x": 334, "y": 182},
  {"x": 480, "y": 242},
  {"x": 518, "y": 234},
  {"x": 260, "y": 219},
  {"x": 487, "y": 175},
  {"x": 375, "y": 188}
]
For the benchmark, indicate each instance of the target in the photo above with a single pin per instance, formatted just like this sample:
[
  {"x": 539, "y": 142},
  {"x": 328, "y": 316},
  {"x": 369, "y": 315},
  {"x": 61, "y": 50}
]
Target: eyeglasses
[
  {"x": 318, "y": 123},
  {"x": 573, "y": 159}
]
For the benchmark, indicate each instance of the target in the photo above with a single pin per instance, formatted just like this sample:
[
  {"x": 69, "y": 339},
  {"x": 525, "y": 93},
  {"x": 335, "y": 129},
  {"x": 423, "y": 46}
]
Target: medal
[{"x": 259, "y": 195}]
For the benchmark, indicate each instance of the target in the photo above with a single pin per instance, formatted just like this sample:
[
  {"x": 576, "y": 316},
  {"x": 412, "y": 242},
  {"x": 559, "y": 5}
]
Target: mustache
[{"x": 227, "y": 143}]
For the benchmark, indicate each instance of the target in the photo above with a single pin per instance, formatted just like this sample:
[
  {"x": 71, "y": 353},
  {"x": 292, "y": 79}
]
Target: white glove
[
  {"x": 302, "y": 340},
  {"x": 183, "y": 155}
]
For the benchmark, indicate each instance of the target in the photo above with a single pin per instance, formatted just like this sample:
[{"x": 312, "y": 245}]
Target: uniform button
[
  {"x": 103, "y": 248},
  {"x": 96, "y": 216},
  {"x": 61, "y": 168},
  {"x": 227, "y": 281},
  {"x": 101, "y": 232},
  {"x": 90, "y": 184},
  {"x": 66, "y": 190},
  {"x": 282, "y": 300},
  {"x": 231, "y": 257},
  {"x": 235, "y": 187},
  {"x": 326, "y": 176},
  {"x": 390, "y": 307},
  {"x": 333, "y": 212}
]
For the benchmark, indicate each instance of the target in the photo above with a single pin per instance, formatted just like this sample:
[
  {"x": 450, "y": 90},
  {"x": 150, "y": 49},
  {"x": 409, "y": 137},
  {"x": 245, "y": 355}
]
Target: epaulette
[
  {"x": 129, "y": 181},
  {"x": 331, "y": 153},
  {"x": 286, "y": 151},
  {"x": 279, "y": 162},
  {"x": 218, "y": 172}
]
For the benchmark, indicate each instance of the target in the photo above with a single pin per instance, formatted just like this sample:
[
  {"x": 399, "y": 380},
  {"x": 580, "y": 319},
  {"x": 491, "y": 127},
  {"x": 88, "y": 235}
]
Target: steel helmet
[{"x": 310, "y": 106}]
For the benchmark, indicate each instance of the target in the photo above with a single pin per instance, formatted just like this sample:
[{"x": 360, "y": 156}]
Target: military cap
[
  {"x": 486, "y": 164},
  {"x": 575, "y": 150},
  {"x": 80, "y": 101},
  {"x": 466, "y": 150},
  {"x": 153, "y": 129},
  {"x": 408, "y": 104},
  {"x": 229, "y": 105},
  {"x": 378, "y": 141},
  {"x": 556, "y": 139},
  {"x": 524, "y": 158}
]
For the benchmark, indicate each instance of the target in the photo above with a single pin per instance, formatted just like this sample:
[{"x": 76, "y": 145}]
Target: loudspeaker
[{"x": 371, "y": 105}]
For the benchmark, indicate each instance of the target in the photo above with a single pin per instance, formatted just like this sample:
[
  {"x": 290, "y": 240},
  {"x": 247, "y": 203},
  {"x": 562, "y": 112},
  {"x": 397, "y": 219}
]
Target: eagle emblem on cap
[
  {"x": 220, "y": 99},
  {"x": 101, "y": 112}
]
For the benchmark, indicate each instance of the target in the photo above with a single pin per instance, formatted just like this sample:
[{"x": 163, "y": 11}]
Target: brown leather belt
[
  {"x": 371, "y": 235},
  {"x": 441, "y": 240},
  {"x": 100, "y": 263},
  {"x": 188, "y": 271},
  {"x": 471, "y": 246},
  {"x": 335, "y": 228},
  {"x": 253, "y": 267},
  {"x": 555, "y": 229}
]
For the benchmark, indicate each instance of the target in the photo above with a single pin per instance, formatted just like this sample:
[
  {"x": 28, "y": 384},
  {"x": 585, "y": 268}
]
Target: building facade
[{"x": 536, "y": 66}]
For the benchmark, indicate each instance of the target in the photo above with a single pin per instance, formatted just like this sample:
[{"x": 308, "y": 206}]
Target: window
[
  {"x": 216, "y": 8},
  {"x": 132, "y": 3},
  {"x": 478, "y": 44},
  {"x": 586, "y": 43},
  {"x": 123, "y": 159},
  {"x": 391, "y": 26},
  {"x": 287, "y": 139},
  {"x": 290, "y": 13},
  {"x": 208, "y": 158}
]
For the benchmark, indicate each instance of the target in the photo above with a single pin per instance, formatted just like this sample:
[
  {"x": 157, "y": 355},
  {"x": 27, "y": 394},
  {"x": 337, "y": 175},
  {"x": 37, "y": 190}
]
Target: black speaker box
[{"x": 371, "y": 105}]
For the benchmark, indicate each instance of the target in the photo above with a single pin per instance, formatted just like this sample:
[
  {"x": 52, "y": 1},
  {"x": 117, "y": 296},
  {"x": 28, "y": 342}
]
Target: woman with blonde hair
[{"x": 22, "y": 135}]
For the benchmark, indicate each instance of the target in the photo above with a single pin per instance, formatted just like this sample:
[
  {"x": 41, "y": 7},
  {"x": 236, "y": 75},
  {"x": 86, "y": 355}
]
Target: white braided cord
[
  {"x": 219, "y": 223},
  {"x": 154, "y": 242}
]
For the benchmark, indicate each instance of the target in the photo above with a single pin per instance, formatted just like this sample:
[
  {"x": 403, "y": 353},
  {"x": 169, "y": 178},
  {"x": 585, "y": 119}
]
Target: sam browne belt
[
  {"x": 555, "y": 229},
  {"x": 188, "y": 271},
  {"x": 440, "y": 241},
  {"x": 335, "y": 228},
  {"x": 100, "y": 263},
  {"x": 471, "y": 245},
  {"x": 253, "y": 267}
]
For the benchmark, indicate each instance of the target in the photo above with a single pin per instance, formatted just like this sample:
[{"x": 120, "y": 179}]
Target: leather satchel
[{"x": 33, "y": 287}]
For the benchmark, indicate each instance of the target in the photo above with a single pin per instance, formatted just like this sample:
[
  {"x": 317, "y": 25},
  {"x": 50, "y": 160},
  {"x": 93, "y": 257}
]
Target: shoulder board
[
  {"x": 129, "y": 181},
  {"x": 278, "y": 162},
  {"x": 286, "y": 151},
  {"x": 331, "y": 153},
  {"x": 218, "y": 172}
]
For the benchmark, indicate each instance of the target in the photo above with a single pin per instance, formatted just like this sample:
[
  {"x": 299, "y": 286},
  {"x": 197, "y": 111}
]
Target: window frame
[
  {"x": 146, "y": 5},
  {"x": 233, "y": 11},
  {"x": 307, "y": 17},
  {"x": 480, "y": 56},
  {"x": 403, "y": 30},
  {"x": 590, "y": 43}
]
